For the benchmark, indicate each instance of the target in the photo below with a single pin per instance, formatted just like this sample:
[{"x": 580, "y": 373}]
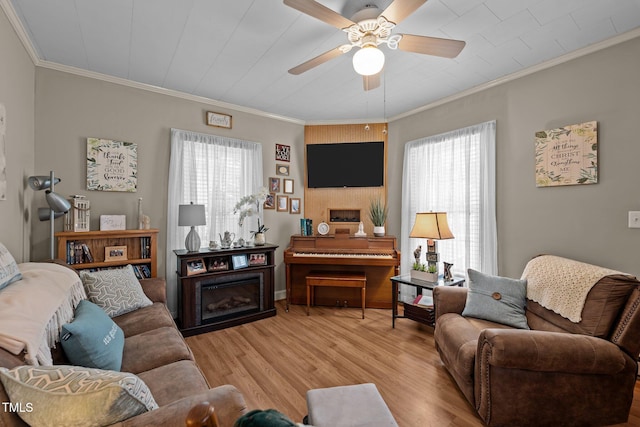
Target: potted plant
[
  {"x": 378, "y": 215},
  {"x": 421, "y": 271},
  {"x": 258, "y": 235}
]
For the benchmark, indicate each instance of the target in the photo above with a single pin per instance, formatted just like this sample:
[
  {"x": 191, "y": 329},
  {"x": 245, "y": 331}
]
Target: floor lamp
[{"x": 58, "y": 205}]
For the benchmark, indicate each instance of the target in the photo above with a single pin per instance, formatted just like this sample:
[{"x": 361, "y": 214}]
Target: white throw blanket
[
  {"x": 33, "y": 310},
  {"x": 562, "y": 285}
]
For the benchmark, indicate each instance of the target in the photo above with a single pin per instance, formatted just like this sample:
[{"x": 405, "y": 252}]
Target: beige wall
[
  {"x": 584, "y": 222},
  {"x": 70, "y": 108},
  {"x": 589, "y": 222},
  {"x": 17, "y": 95}
]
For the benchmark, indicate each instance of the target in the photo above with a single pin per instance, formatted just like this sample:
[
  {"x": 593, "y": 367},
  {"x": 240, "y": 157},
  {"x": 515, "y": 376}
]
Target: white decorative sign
[
  {"x": 218, "y": 120},
  {"x": 112, "y": 165},
  {"x": 113, "y": 222}
]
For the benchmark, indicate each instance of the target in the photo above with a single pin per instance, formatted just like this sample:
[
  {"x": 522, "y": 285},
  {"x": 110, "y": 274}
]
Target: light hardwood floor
[{"x": 275, "y": 361}]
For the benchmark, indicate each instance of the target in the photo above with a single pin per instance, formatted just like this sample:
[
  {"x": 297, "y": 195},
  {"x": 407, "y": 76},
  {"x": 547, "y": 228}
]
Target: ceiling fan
[{"x": 366, "y": 30}]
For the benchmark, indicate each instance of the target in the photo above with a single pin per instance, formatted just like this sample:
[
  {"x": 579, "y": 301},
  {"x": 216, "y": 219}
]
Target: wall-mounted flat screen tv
[{"x": 349, "y": 164}]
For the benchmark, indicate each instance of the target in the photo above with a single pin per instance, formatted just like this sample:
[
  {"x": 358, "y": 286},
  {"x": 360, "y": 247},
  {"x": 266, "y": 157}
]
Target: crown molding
[
  {"x": 522, "y": 73},
  {"x": 13, "y": 18}
]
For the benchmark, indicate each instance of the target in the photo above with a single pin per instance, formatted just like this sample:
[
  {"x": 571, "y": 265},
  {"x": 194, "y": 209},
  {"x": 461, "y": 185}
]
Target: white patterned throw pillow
[
  {"x": 9, "y": 271},
  {"x": 116, "y": 291},
  {"x": 74, "y": 396}
]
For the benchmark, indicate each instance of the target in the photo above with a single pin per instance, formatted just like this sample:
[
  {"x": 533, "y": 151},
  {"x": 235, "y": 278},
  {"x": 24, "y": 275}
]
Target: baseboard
[{"x": 280, "y": 295}]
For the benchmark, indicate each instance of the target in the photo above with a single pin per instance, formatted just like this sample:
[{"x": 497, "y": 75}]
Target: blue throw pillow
[
  {"x": 93, "y": 339},
  {"x": 498, "y": 299}
]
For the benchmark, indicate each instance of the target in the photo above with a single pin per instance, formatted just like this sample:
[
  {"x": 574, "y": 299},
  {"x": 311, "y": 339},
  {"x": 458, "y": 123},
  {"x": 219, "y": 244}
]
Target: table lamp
[
  {"x": 432, "y": 226},
  {"x": 190, "y": 216}
]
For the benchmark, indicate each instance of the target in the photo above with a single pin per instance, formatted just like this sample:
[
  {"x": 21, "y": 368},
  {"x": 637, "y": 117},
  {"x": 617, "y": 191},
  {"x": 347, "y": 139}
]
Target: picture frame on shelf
[
  {"x": 283, "y": 203},
  {"x": 282, "y": 170},
  {"x": 218, "y": 264},
  {"x": 257, "y": 259},
  {"x": 283, "y": 152},
  {"x": 287, "y": 185},
  {"x": 294, "y": 205},
  {"x": 115, "y": 253},
  {"x": 239, "y": 261},
  {"x": 274, "y": 185},
  {"x": 270, "y": 201},
  {"x": 196, "y": 266}
]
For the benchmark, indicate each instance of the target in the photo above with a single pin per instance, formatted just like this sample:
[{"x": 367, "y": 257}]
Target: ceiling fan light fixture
[{"x": 368, "y": 61}]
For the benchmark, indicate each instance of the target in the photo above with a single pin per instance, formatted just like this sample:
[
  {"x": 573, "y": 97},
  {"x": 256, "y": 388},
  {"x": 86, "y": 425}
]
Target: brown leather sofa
[
  {"x": 155, "y": 351},
  {"x": 556, "y": 373}
]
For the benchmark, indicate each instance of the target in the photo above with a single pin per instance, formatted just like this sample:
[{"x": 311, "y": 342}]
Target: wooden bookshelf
[{"x": 141, "y": 249}]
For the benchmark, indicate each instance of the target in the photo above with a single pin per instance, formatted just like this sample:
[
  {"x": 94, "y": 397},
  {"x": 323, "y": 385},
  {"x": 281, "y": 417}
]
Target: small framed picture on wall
[
  {"x": 283, "y": 152},
  {"x": 270, "y": 201},
  {"x": 294, "y": 205},
  {"x": 283, "y": 203},
  {"x": 274, "y": 185},
  {"x": 282, "y": 170},
  {"x": 288, "y": 186}
]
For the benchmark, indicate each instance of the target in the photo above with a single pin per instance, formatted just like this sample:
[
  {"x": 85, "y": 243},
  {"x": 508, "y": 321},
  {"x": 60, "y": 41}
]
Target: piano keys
[{"x": 377, "y": 257}]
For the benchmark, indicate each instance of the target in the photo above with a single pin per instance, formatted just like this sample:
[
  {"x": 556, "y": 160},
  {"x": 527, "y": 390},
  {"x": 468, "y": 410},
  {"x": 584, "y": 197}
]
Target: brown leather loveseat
[
  {"x": 558, "y": 372},
  {"x": 156, "y": 352}
]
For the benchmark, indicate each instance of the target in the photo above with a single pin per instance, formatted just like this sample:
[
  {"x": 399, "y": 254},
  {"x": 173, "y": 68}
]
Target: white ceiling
[{"x": 238, "y": 52}]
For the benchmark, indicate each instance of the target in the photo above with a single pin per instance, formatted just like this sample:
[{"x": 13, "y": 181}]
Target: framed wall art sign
[
  {"x": 567, "y": 155},
  {"x": 283, "y": 152},
  {"x": 112, "y": 165},
  {"x": 219, "y": 120}
]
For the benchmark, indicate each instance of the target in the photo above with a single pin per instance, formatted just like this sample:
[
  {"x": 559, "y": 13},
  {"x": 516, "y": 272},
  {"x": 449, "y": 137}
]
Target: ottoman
[{"x": 348, "y": 406}]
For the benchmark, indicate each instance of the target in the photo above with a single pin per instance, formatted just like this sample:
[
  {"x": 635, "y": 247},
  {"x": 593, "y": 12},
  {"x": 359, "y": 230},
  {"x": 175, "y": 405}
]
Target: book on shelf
[
  {"x": 424, "y": 301},
  {"x": 87, "y": 253},
  {"x": 145, "y": 247},
  {"x": 306, "y": 227}
]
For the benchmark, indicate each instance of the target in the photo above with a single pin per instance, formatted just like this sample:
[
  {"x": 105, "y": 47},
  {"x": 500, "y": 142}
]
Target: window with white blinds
[
  {"x": 454, "y": 173},
  {"x": 213, "y": 171}
]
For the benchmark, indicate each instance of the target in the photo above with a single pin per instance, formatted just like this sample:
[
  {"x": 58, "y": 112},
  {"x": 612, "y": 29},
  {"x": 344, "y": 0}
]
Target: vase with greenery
[{"x": 378, "y": 215}]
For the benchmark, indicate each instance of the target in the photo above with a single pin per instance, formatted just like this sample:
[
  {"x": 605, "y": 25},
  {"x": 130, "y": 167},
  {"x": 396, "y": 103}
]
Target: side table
[{"x": 420, "y": 314}]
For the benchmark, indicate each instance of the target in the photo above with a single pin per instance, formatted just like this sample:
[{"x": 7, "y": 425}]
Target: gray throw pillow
[
  {"x": 9, "y": 271},
  {"x": 498, "y": 299},
  {"x": 73, "y": 396},
  {"x": 116, "y": 291}
]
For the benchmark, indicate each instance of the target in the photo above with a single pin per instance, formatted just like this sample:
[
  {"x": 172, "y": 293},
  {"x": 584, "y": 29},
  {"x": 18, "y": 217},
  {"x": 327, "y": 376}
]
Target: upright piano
[{"x": 377, "y": 257}]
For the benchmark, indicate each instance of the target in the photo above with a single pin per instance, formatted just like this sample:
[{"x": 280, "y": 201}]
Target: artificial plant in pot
[{"x": 378, "y": 215}]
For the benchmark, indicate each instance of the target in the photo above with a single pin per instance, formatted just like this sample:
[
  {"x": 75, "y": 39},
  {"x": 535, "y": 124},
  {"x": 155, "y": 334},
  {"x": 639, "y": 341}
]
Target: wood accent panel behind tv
[{"x": 318, "y": 202}]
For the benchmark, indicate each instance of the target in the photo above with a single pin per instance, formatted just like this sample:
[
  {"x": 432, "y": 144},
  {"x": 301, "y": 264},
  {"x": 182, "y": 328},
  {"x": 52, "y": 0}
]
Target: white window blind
[
  {"x": 454, "y": 173},
  {"x": 213, "y": 171}
]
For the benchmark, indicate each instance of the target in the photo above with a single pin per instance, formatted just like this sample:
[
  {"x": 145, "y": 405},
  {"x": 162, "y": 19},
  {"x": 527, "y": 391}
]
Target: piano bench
[{"x": 338, "y": 279}]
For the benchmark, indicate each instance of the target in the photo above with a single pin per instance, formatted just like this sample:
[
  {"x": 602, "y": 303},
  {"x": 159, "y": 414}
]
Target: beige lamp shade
[{"x": 431, "y": 225}]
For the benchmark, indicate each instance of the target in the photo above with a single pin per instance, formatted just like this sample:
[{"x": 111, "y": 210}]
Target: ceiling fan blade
[
  {"x": 398, "y": 10},
  {"x": 371, "y": 82},
  {"x": 314, "y": 62},
  {"x": 446, "y": 48},
  {"x": 321, "y": 12}
]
